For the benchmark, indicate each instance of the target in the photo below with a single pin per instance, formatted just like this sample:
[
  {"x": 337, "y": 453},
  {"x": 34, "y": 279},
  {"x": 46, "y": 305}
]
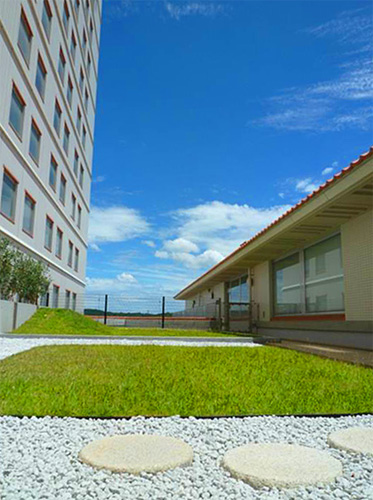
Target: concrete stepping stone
[
  {"x": 281, "y": 465},
  {"x": 355, "y": 439},
  {"x": 136, "y": 453}
]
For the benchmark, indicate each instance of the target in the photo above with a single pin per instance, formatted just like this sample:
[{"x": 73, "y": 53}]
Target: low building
[{"x": 308, "y": 276}]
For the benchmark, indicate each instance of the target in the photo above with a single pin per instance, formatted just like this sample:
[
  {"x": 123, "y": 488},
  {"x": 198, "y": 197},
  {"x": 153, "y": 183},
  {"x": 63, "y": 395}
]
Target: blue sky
[{"x": 212, "y": 119}]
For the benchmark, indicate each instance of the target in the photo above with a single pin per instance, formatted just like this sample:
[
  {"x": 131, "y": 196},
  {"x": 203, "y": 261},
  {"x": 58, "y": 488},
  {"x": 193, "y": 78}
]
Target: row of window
[
  {"x": 69, "y": 302},
  {"x": 8, "y": 209},
  {"x": 16, "y": 119},
  {"x": 24, "y": 42}
]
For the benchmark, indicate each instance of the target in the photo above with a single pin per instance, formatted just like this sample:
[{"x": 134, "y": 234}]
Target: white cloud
[
  {"x": 94, "y": 247},
  {"x": 180, "y": 245},
  {"x": 306, "y": 185},
  {"x": 98, "y": 179},
  {"x": 327, "y": 171},
  {"x": 148, "y": 243},
  {"x": 114, "y": 224},
  {"x": 121, "y": 282},
  {"x": 281, "y": 195},
  {"x": 340, "y": 103},
  {"x": 180, "y": 9},
  {"x": 209, "y": 231}
]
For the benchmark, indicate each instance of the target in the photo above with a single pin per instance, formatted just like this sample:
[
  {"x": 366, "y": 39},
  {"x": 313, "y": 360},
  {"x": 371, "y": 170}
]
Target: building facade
[
  {"x": 309, "y": 275},
  {"x": 49, "y": 52}
]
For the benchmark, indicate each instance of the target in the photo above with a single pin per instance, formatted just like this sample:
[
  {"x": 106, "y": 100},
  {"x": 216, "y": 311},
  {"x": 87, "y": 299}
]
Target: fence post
[
  {"x": 163, "y": 310},
  {"x": 105, "y": 312}
]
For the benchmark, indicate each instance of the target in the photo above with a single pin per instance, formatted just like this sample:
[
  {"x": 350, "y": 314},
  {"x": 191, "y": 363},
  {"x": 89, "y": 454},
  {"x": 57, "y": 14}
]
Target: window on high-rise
[
  {"x": 28, "y": 215},
  {"x": 48, "y": 233},
  {"x": 46, "y": 18},
  {"x": 73, "y": 46},
  {"x": 65, "y": 16},
  {"x": 41, "y": 77},
  {"x": 66, "y": 139},
  {"x": 17, "y": 111},
  {"x": 67, "y": 299},
  {"x": 59, "y": 243},
  {"x": 57, "y": 118},
  {"x": 35, "y": 139},
  {"x": 81, "y": 80},
  {"x": 81, "y": 176},
  {"x": 78, "y": 120},
  {"x": 76, "y": 262},
  {"x": 79, "y": 223},
  {"x": 61, "y": 66},
  {"x": 70, "y": 254},
  {"x": 9, "y": 196},
  {"x": 73, "y": 206},
  {"x": 84, "y": 138},
  {"x": 76, "y": 162},
  {"x": 62, "y": 189},
  {"x": 55, "y": 296},
  {"x": 53, "y": 173},
  {"x": 69, "y": 91},
  {"x": 25, "y": 37}
]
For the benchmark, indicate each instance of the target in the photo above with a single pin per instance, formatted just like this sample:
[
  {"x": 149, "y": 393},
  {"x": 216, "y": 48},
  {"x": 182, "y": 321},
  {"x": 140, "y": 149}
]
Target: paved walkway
[{"x": 356, "y": 356}]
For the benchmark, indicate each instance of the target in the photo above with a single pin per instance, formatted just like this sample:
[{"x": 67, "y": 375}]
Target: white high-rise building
[{"x": 49, "y": 53}]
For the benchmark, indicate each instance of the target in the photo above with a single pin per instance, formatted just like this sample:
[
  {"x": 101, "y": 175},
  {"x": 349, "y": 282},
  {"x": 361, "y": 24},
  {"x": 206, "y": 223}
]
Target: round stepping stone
[
  {"x": 281, "y": 465},
  {"x": 136, "y": 453},
  {"x": 356, "y": 439}
]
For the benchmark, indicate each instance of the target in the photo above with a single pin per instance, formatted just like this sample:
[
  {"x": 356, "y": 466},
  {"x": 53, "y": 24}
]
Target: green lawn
[
  {"x": 65, "y": 322},
  {"x": 149, "y": 380}
]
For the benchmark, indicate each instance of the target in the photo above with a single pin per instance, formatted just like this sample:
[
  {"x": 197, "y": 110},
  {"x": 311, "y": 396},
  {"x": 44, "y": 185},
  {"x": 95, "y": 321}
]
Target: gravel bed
[
  {"x": 40, "y": 458},
  {"x": 8, "y": 347}
]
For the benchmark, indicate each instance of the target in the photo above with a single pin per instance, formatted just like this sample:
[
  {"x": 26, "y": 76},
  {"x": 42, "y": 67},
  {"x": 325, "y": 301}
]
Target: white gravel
[
  {"x": 8, "y": 347},
  {"x": 39, "y": 456},
  {"x": 40, "y": 459}
]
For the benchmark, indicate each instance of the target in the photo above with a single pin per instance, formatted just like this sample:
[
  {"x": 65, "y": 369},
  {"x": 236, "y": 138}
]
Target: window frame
[
  {"x": 28, "y": 195},
  {"x": 18, "y": 95},
  {"x": 47, "y": 9},
  {"x": 53, "y": 160},
  {"x": 70, "y": 255},
  {"x": 63, "y": 182},
  {"x": 40, "y": 63},
  {"x": 12, "y": 217},
  {"x": 303, "y": 306},
  {"x": 59, "y": 114},
  {"x": 61, "y": 64},
  {"x": 48, "y": 218},
  {"x": 58, "y": 251},
  {"x": 66, "y": 139},
  {"x": 34, "y": 126},
  {"x": 25, "y": 23}
]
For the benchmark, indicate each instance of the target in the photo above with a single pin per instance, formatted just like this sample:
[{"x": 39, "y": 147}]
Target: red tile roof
[{"x": 314, "y": 193}]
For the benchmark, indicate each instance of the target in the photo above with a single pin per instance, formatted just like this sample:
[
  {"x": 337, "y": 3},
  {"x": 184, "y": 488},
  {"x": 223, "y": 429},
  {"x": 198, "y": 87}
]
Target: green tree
[
  {"x": 7, "y": 258},
  {"x": 21, "y": 274}
]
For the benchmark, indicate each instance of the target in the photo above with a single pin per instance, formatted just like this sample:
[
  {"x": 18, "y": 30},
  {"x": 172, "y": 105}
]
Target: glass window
[
  {"x": 67, "y": 299},
  {"x": 81, "y": 176},
  {"x": 287, "y": 288},
  {"x": 28, "y": 215},
  {"x": 84, "y": 42},
  {"x": 57, "y": 118},
  {"x": 74, "y": 302},
  {"x": 324, "y": 276},
  {"x": 76, "y": 263},
  {"x": 73, "y": 46},
  {"x": 53, "y": 173},
  {"x": 70, "y": 256},
  {"x": 66, "y": 140},
  {"x": 35, "y": 138},
  {"x": 81, "y": 80},
  {"x": 65, "y": 16},
  {"x": 238, "y": 290},
  {"x": 76, "y": 163},
  {"x": 62, "y": 189},
  {"x": 41, "y": 77},
  {"x": 84, "y": 138},
  {"x": 89, "y": 66},
  {"x": 73, "y": 206},
  {"x": 77, "y": 5},
  {"x": 62, "y": 66},
  {"x": 69, "y": 92},
  {"x": 46, "y": 18},
  {"x": 48, "y": 233},
  {"x": 17, "y": 111},
  {"x": 79, "y": 216},
  {"x": 78, "y": 120},
  {"x": 59, "y": 243},
  {"x": 9, "y": 196},
  {"x": 25, "y": 37},
  {"x": 55, "y": 296},
  {"x": 86, "y": 100}
]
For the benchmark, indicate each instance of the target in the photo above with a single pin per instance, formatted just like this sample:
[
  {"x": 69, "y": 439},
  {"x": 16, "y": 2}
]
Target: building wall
[
  {"x": 33, "y": 177},
  {"x": 261, "y": 289},
  {"x": 357, "y": 252}
]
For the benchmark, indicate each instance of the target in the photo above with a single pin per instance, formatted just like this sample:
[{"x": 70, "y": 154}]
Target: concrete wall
[
  {"x": 13, "y": 315},
  {"x": 357, "y": 252}
]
